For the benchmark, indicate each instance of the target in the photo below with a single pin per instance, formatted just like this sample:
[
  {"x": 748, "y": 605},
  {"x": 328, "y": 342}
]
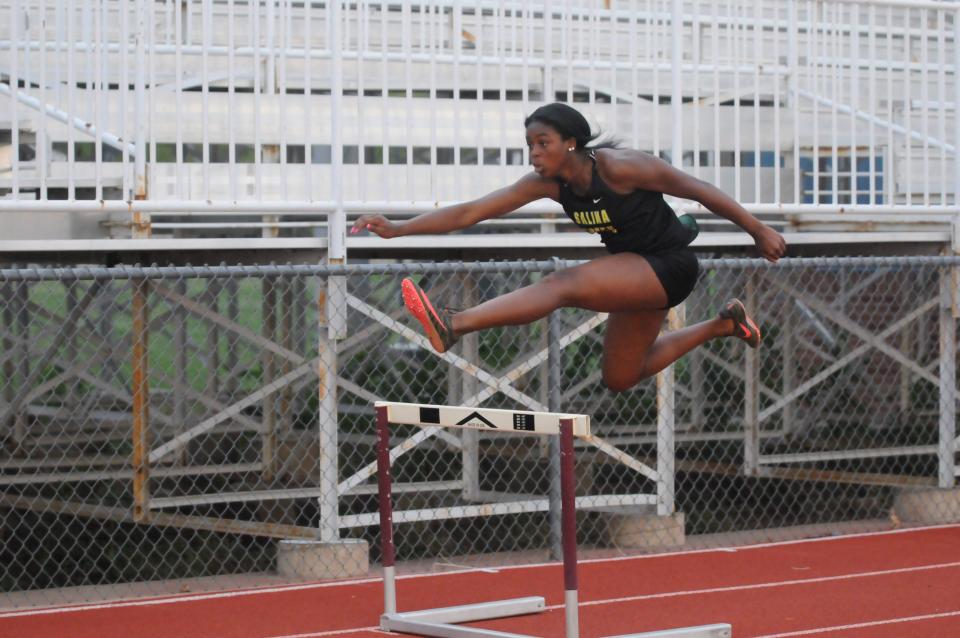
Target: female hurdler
[{"x": 617, "y": 193}]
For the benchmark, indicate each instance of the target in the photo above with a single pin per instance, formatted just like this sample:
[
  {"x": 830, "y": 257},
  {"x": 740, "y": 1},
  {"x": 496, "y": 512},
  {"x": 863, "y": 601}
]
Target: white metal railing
[{"x": 274, "y": 108}]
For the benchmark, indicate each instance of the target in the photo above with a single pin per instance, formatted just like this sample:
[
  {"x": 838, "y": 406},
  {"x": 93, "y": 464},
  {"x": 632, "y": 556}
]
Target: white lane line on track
[
  {"x": 698, "y": 592},
  {"x": 767, "y": 585},
  {"x": 860, "y": 625}
]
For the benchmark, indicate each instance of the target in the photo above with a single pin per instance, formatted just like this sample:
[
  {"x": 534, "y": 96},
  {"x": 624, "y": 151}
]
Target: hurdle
[{"x": 443, "y": 622}]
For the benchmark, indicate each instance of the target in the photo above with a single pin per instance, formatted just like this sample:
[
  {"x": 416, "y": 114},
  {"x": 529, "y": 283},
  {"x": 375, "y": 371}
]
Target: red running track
[{"x": 900, "y": 583}]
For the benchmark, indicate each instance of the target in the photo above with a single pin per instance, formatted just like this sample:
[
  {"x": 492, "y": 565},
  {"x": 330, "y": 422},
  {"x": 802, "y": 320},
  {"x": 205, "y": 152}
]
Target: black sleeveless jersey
[{"x": 640, "y": 221}]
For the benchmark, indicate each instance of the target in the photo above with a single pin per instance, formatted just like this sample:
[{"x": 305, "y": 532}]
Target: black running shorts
[{"x": 677, "y": 271}]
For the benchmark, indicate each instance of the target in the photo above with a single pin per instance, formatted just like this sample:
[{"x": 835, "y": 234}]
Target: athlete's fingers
[
  {"x": 359, "y": 224},
  {"x": 771, "y": 245},
  {"x": 377, "y": 224},
  {"x": 369, "y": 222}
]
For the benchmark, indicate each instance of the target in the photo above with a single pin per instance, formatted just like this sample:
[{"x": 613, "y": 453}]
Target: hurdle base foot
[
  {"x": 315, "y": 560},
  {"x": 442, "y": 622},
  {"x": 719, "y": 630}
]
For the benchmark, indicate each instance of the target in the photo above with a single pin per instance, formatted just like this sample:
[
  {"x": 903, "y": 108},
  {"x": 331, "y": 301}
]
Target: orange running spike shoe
[
  {"x": 437, "y": 325},
  {"x": 743, "y": 326}
]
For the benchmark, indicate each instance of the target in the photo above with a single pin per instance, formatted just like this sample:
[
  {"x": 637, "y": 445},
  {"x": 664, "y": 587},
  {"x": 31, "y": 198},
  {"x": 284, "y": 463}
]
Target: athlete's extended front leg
[{"x": 612, "y": 283}]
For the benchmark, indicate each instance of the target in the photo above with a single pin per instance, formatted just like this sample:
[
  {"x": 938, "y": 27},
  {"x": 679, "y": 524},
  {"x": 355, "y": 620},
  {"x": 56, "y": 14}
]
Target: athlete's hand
[
  {"x": 377, "y": 224},
  {"x": 770, "y": 243}
]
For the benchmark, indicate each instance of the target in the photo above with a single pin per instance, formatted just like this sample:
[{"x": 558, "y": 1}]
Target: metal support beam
[
  {"x": 268, "y": 363},
  {"x": 141, "y": 400},
  {"x": 947, "y": 451},
  {"x": 181, "y": 358}
]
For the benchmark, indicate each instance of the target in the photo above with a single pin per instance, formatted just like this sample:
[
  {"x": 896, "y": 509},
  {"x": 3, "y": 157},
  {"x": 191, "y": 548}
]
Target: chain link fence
[{"x": 216, "y": 425}]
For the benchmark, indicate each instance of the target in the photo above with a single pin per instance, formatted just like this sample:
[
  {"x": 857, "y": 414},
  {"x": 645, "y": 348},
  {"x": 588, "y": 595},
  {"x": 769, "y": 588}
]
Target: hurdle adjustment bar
[
  {"x": 720, "y": 630},
  {"x": 440, "y": 622}
]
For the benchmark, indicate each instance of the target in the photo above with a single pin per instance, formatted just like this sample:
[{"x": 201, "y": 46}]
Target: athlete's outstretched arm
[
  {"x": 652, "y": 173},
  {"x": 527, "y": 189}
]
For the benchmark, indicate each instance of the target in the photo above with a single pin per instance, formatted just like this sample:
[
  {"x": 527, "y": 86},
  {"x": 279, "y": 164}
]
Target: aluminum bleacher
[{"x": 241, "y": 121}]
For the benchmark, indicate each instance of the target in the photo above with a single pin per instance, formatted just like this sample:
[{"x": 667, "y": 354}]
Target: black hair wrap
[{"x": 567, "y": 121}]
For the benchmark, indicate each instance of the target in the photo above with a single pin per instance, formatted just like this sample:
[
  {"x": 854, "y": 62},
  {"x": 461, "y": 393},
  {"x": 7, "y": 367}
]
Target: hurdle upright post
[
  {"x": 386, "y": 511},
  {"x": 568, "y": 510}
]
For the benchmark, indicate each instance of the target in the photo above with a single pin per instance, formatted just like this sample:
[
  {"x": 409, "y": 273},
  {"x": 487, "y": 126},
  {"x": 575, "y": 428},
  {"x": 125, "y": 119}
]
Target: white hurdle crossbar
[{"x": 442, "y": 622}]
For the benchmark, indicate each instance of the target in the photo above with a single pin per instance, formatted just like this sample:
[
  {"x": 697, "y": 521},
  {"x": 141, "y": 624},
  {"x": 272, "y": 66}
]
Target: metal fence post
[
  {"x": 328, "y": 435},
  {"x": 666, "y": 426},
  {"x": 948, "y": 374},
  {"x": 141, "y": 399},
  {"x": 332, "y": 304}
]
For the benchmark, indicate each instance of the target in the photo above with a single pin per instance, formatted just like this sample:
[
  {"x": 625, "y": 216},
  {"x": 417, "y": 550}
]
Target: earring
[{"x": 572, "y": 148}]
